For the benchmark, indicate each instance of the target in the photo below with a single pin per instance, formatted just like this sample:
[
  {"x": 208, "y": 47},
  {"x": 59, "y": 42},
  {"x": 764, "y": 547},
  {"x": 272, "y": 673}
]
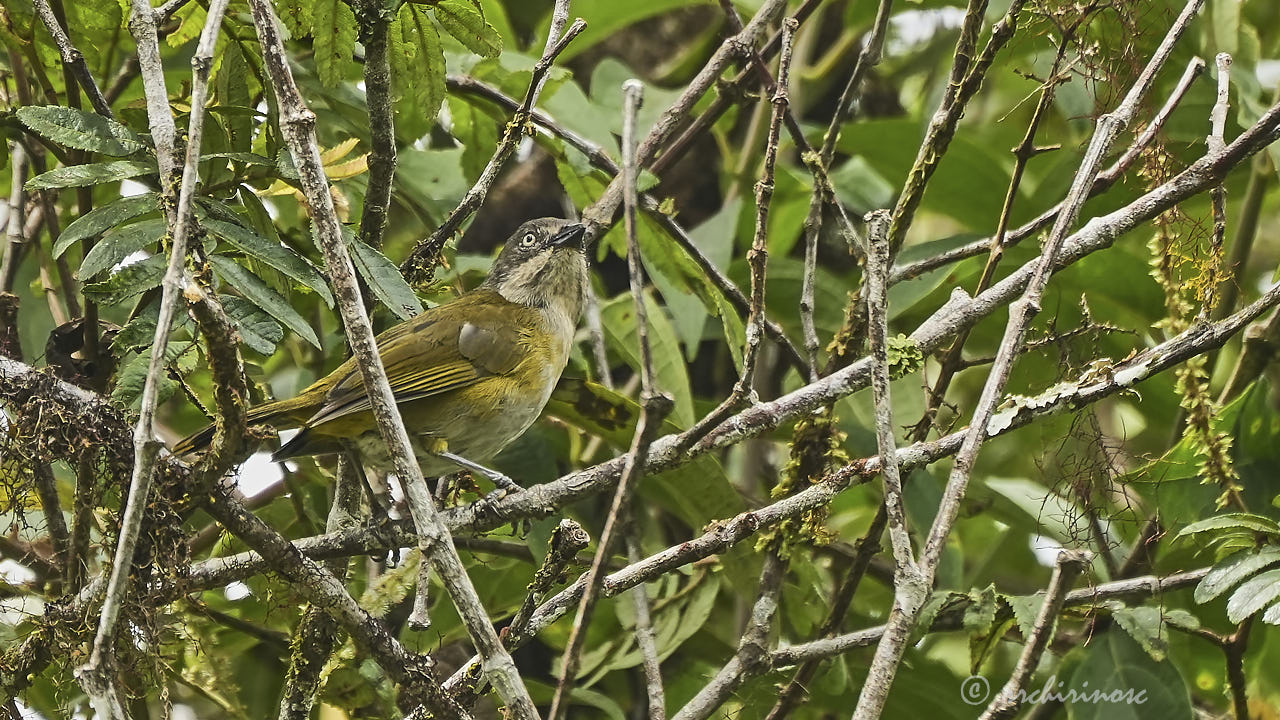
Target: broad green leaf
[
  {"x": 257, "y": 330},
  {"x": 1147, "y": 626},
  {"x": 296, "y": 16},
  {"x": 1232, "y": 570},
  {"x": 121, "y": 242},
  {"x": 607, "y": 18},
  {"x": 1245, "y": 522},
  {"x": 255, "y": 290},
  {"x": 99, "y": 220},
  {"x": 1254, "y": 595},
  {"x": 417, "y": 59},
  {"x": 80, "y": 129},
  {"x": 384, "y": 279},
  {"x": 334, "y": 31},
  {"x": 140, "y": 331},
  {"x": 478, "y": 133},
  {"x": 619, "y": 320},
  {"x": 133, "y": 376},
  {"x": 463, "y": 20},
  {"x": 191, "y": 21},
  {"x": 276, "y": 255},
  {"x": 91, "y": 174},
  {"x": 130, "y": 280},
  {"x": 1116, "y": 666}
]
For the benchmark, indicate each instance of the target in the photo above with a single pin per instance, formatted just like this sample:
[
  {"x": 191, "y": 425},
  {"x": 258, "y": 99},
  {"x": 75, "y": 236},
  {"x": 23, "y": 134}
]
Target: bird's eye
[{"x": 528, "y": 240}]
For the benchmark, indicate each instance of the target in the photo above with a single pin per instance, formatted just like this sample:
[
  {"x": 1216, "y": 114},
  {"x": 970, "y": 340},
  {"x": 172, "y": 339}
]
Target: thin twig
[
  {"x": 95, "y": 675},
  {"x": 646, "y": 639},
  {"x": 869, "y": 57},
  {"x": 1105, "y": 181},
  {"x": 1069, "y": 565},
  {"x": 72, "y": 58},
  {"x": 420, "y": 264},
  {"x": 758, "y": 256},
  {"x": 890, "y": 650},
  {"x": 374, "y": 20},
  {"x": 1217, "y": 196},
  {"x": 655, "y": 405},
  {"x": 297, "y": 124}
]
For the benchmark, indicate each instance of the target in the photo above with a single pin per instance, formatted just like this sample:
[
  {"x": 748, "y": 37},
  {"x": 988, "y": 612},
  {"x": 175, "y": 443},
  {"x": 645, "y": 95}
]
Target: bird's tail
[{"x": 282, "y": 414}]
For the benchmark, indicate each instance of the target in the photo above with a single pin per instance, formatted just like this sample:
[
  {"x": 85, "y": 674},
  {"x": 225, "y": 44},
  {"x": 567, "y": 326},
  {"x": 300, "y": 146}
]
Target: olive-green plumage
[{"x": 475, "y": 372}]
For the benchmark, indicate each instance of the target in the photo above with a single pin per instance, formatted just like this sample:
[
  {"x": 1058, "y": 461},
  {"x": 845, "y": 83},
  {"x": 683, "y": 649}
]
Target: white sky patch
[
  {"x": 15, "y": 573},
  {"x": 136, "y": 256},
  {"x": 183, "y": 712},
  {"x": 912, "y": 27},
  {"x": 1046, "y": 550},
  {"x": 237, "y": 591},
  {"x": 259, "y": 473},
  {"x": 130, "y": 188},
  {"x": 1268, "y": 72}
]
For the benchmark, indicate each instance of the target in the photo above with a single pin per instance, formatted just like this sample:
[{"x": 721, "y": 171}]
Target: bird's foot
[{"x": 383, "y": 529}]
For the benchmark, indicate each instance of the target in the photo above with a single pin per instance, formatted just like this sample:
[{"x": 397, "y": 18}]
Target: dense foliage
[{"x": 1175, "y": 473}]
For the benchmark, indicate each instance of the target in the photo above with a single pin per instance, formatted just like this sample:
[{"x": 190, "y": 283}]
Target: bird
[{"x": 469, "y": 376}]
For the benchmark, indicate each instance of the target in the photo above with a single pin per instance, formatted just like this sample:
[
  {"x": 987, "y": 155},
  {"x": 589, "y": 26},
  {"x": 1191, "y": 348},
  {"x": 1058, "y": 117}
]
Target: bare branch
[
  {"x": 655, "y": 406},
  {"x": 297, "y": 124},
  {"x": 95, "y": 675},
  {"x": 1070, "y": 564},
  {"x": 374, "y": 20},
  {"x": 72, "y": 58},
  {"x": 646, "y": 640}
]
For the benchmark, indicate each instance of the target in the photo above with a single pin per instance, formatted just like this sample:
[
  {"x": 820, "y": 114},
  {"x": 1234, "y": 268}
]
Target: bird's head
[{"x": 543, "y": 265}]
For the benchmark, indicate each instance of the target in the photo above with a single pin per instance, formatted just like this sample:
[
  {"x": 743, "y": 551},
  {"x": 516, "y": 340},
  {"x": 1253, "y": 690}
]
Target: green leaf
[
  {"x": 295, "y": 15},
  {"x": 463, "y": 20},
  {"x": 120, "y": 243},
  {"x": 417, "y": 60},
  {"x": 1232, "y": 570},
  {"x": 254, "y": 289},
  {"x": 278, "y": 256},
  {"x": 257, "y": 330},
  {"x": 130, "y": 280},
  {"x": 1245, "y": 522},
  {"x": 140, "y": 331},
  {"x": 1254, "y": 595},
  {"x": 80, "y": 130},
  {"x": 1115, "y": 675},
  {"x": 619, "y": 319},
  {"x": 334, "y": 30},
  {"x": 133, "y": 376},
  {"x": 383, "y": 278},
  {"x": 91, "y": 174},
  {"x": 99, "y": 220},
  {"x": 1147, "y": 626}
]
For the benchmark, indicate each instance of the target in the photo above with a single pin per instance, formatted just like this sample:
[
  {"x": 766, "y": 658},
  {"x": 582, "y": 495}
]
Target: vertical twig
[
  {"x": 72, "y": 58},
  {"x": 95, "y": 675},
  {"x": 15, "y": 242},
  {"x": 646, "y": 638},
  {"x": 1068, "y": 567},
  {"x": 374, "y": 21},
  {"x": 297, "y": 123},
  {"x": 758, "y": 256},
  {"x": 655, "y": 405},
  {"x": 1217, "y": 196},
  {"x": 891, "y": 647},
  {"x": 869, "y": 57}
]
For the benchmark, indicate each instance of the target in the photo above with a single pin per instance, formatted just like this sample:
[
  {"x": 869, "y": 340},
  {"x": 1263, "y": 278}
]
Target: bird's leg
[
  {"x": 380, "y": 520},
  {"x": 440, "y": 448}
]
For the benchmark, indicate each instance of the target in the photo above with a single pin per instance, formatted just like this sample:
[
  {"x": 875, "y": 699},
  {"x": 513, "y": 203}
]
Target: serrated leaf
[
  {"x": 276, "y": 255},
  {"x": 91, "y": 174},
  {"x": 80, "y": 130},
  {"x": 417, "y": 60},
  {"x": 1246, "y": 522},
  {"x": 463, "y": 20},
  {"x": 254, "y": 289},
  {"x": 99, "y": 220},
  {"x": 296, "y": 16},
  {"x": 333, "y": 26},
  {"x": 1254, "y": 595},
  {"x": 119, "y": 244},
  {"x": 257, "y": 330},
  {"x": 383, "y": 278},
  {"x": 1147, "y": 626},
  {"x": 133, "y": 376},
  {"x": 129, "y": 281},
  {"x": 1232, "y": 570},
  {"x": 140, "y": 331},
  {"x": 1026, "y": 608}
]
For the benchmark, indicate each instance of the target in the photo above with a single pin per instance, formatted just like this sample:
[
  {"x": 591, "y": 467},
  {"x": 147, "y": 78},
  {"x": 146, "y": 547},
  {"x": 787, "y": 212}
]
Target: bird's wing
[{"x": 436, "y": 352}]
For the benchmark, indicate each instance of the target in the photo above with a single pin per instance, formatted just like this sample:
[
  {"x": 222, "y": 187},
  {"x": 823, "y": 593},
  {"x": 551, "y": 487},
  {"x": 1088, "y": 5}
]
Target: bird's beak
[{"x": 570, "y": 234}]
